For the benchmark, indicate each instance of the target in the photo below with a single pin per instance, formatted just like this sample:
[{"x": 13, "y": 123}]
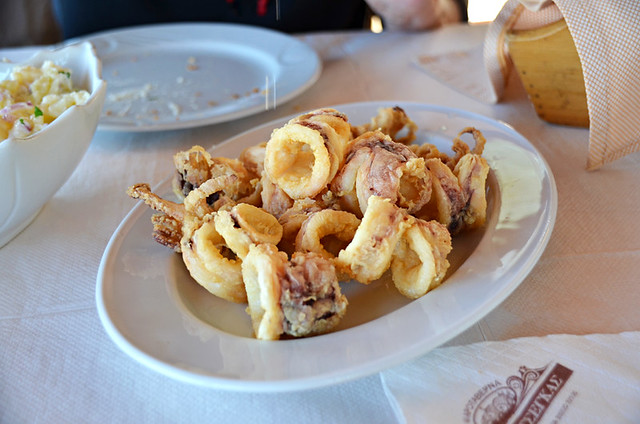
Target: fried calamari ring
[
  {"x": 326, "y": 232},
  {"x": 209, "y": 262},
  {"x": 368, "y": 255},
  {"x": 337, "y": 120},
  {"x": 419, "y": 262},
  {"x": 244, "y": 225},
  {"x": 262, "y": 270},
  {"x": 447, "y": 198},
  {"x": 472, "y": 171},
  {"x": 297, "y": 159},
  {"x": 304, "y": 155},
  {"x": 392, "y": 121},
  {"x": 299, "y": 298},
  {"x": 339, "y": 123},
  {"x": 459, "y": 196},
  {"x": 377, "y": 166},
  {"x": 197, "y": 201}
]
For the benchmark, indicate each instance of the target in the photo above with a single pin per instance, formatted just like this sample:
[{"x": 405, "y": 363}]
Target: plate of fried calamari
[{"x": 326, "y": 246}]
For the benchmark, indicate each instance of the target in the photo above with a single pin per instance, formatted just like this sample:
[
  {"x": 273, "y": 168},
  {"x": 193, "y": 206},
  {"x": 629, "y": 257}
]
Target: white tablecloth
[{"x": 57, "y": 364}]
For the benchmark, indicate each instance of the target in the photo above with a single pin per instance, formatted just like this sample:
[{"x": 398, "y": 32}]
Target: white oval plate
[
  {"x": 156, "y": 313},
  {"x": 172, "y": 76}
]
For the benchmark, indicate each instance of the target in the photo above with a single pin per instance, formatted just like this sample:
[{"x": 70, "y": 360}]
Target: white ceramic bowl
[{"x": 34, "y": 168}]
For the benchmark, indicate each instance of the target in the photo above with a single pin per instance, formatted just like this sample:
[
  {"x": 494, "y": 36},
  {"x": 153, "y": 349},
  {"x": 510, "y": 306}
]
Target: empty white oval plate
[
  {"x": 157, "y": 314},
  {"x": 172, "y": 76}
]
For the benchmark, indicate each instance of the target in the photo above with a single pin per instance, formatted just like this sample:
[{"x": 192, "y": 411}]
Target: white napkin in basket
[
  {"x": 552, "y": 379},
  {"x": 606, "y": 36}
]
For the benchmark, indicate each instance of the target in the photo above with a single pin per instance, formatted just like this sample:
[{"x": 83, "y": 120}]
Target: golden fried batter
[{"x": 392, "y": 121}]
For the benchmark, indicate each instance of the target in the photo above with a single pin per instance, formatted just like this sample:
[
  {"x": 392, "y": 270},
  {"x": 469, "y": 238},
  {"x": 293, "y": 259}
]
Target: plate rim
[
  {"x": 373, "y": 366},
  {"x": 315, "y": 67}
]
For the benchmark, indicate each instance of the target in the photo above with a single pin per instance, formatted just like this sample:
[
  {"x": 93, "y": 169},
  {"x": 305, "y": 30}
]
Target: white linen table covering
[{"x": 57, "y": 364}]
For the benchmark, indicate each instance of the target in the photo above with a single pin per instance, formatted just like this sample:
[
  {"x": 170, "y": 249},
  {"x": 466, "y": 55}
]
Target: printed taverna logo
[{"x": 521, "y": 399}]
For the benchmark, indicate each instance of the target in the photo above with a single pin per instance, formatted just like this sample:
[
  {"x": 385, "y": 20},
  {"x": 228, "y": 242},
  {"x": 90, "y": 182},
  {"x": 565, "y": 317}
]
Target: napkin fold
[
  {"x": 606, "y": 38},
  {"x": 552, "y": 379}
]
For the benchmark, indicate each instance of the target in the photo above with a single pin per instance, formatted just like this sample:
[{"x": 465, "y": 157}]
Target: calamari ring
[
  {"x": 196, "y": 202},
  {"x": 262, "y": 270},
  {"x": 244, "y": 225},
  {"x": 326, "y": 232},
  {"x": 337, "y": 120},
  {"x": 472, "y": 171},
  {"x": 447, "y": 199},
  {"x": 302, "y": 157},
  {"x": 203, "y": 253},
  {"x": 375, "y": 165},
  {"x": 419, "y": 262},
  {"x": 368, "y": 255},
  {"x": 459, "y": 199}
]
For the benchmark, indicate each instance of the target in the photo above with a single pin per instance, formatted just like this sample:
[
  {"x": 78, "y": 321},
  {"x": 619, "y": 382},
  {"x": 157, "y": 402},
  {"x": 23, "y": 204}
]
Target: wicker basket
[{"x": 549, "y": 67}]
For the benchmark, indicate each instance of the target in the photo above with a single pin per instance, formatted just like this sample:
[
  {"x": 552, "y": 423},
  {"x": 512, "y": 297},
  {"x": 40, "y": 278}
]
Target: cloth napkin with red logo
[
  {"x": 606, "y": 37},
  {"x": 553, "y": 379}
]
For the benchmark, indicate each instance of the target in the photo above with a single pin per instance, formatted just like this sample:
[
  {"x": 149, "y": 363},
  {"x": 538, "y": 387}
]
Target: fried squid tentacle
[
  {"x": 392, "y": 121},
  {"x": 196, "y": 166},
  {"x": 193, "y": 167},
  {"x": 143, "y": 192},
  {"x": 167, "y": 223}
]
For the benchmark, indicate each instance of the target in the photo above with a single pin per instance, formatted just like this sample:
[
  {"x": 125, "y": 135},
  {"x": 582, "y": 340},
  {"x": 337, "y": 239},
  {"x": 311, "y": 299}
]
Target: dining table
[{"x": 580, "y": 296}]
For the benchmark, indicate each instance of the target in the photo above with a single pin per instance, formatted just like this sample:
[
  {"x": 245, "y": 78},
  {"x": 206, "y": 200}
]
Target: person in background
[
  {"x": 25, "y": 22},
  {"x": 80, "y": 17}
]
